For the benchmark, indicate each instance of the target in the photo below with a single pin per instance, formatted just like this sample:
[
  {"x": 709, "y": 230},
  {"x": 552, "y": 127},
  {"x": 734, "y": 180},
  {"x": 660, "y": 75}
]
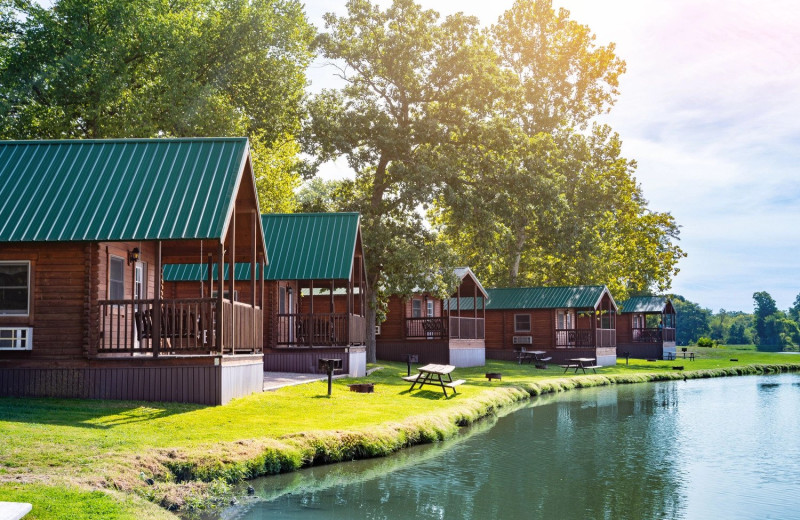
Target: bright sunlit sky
[{"x": 710, "y": 110}]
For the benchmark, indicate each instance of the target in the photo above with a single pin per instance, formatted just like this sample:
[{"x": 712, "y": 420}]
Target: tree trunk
[
  {"x": 522, "y": 236},
  {"x": 371, "y": 346}
]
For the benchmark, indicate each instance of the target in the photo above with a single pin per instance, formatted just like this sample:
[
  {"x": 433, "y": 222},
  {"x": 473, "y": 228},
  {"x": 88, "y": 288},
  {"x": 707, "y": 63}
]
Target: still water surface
[{"x": 718, "y": 448}]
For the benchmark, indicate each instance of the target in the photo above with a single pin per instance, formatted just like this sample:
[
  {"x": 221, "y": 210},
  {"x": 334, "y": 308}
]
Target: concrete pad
[{"x": 14, "y": 510}]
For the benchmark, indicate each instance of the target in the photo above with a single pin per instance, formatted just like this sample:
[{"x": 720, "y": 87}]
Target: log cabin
[
  {"x": 315, "y": 290},
  {"x": 86, "y": 228},
  {"x": 434, "y": 331},
  {"x": 646, "y": 327},
  {"x": 565, "y": 322}
]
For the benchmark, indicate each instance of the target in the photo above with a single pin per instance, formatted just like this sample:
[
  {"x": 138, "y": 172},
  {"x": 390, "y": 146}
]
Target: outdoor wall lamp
[{"x": 133, "y": 256}]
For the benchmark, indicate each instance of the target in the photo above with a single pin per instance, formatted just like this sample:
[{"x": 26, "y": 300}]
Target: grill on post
[
  {"x": 329, "y": 365},
  {"x": 411, "y": 358}
]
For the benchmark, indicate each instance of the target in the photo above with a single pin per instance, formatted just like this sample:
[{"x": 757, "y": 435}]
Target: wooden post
[
  {"x": 232, "y": 281},
  {"x": 220, "y": 343},
  {"x": 157, "y": 303},
  {"x": 253, "y": 277},
  {"x": 210, "y": 270}
]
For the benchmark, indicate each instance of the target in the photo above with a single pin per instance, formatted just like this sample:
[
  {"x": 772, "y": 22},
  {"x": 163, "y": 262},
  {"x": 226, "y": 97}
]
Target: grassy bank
[{"x": 114, "y": 459}]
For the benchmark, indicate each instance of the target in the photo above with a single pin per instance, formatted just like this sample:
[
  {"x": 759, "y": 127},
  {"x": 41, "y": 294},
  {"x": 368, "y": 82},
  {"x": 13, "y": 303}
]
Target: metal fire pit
[
  {"x": 363, "y": 388},
  {"x": 329, "y": 365}
]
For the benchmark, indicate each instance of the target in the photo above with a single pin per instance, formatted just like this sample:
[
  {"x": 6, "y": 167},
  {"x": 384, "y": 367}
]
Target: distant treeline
[{"x": 767, "y": 327}]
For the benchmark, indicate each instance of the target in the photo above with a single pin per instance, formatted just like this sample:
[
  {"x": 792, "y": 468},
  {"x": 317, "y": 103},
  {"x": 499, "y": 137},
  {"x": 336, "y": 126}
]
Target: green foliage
[
  {"x": 144, "y": 68},
  {"x": 412, "y": 83},
  {"x": 535, "y": 202},
  {"x": 774, "y": 329},
  {"x": 706, "y": 342},
  {"x": 275, "y": 166},
  {"x": 691, "y": 321}
]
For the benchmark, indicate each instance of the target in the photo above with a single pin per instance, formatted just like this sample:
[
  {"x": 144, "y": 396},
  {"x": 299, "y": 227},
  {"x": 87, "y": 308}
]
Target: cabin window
[
  {"x": 116, "y": 278},
  {"x": 416, "y": 308},
  {"x": 430, "y": 308},
  {"x": 522, "y": 323},
  {"x": 15, "y": 288}
]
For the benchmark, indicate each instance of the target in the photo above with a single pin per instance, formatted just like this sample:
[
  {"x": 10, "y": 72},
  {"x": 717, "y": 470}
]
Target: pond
[{"x": 715, "y": 448}]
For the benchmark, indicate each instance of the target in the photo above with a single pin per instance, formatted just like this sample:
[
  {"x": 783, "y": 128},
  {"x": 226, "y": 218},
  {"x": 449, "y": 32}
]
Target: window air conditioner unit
[
  {"x": 16, "y": 338},
  {"x": 523, "y": 340}
]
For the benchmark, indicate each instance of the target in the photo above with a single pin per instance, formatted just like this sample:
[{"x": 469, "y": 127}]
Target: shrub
[{"x": 706, "y": 342}]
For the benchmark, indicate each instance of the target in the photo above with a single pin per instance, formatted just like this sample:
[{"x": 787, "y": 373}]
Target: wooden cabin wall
[
  {"x": 103, "y": 252},
  {"x": 624, "y": 328},
  {"x": 59, "y": 302},
  {"x": 500, "y": 328},
  {"x": 393, "y": 327},
  {"x": 322, "y": 303}
]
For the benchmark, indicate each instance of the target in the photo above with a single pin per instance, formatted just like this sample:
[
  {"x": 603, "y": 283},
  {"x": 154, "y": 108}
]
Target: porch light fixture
[{"x": 133, "y": 256}]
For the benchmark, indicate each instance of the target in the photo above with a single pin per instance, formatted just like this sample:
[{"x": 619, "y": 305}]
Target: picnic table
[
  {"x": 434, "y": 375},
  {"x": 581, "y": 363},
  {"x": 537, "y": 357}
]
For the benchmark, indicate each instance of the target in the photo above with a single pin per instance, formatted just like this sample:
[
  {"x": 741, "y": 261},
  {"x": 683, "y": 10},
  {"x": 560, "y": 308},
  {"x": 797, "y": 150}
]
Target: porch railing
[
  {"x": 320, "y": 329},
  {"x": 441, "y": 328},
  {"x": 466, "y": 328},
  {"x": 432, "y": 328},
  {"x": 176, "y": 326},
  {"x": 583, "y": 338}
]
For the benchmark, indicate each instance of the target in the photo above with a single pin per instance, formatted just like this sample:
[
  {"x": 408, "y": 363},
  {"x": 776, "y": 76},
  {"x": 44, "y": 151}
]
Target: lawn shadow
[{"x": 86, "y": 413}]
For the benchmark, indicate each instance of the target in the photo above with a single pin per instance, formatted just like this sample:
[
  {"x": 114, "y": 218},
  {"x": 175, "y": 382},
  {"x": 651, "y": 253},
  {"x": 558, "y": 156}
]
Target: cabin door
[{"x": 565, "y": 323}]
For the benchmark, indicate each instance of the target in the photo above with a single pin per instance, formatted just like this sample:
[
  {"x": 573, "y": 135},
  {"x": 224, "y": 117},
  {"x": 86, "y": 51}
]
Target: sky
[{"x": 710, "y": 110}]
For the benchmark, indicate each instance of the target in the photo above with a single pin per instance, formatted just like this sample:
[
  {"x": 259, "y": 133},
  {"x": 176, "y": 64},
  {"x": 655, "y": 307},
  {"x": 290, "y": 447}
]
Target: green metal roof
[
  {"x": 119, "y": 189},
  {"x": 524, "y": 298},
  {"x": 197, "y": 272},
  {"x": 301, "y": 246},
  {"x": 310, "y": 246},
  {"x": 644, "y": 304}
]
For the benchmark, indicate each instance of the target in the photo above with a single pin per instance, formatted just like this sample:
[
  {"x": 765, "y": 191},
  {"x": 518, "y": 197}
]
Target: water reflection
[{"x": 667, "y": 450}]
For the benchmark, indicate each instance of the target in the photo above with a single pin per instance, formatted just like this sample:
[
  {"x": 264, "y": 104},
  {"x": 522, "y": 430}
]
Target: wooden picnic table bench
[
  {"x": 581, "y": 364},
  {"x": 434, "y": 375}
]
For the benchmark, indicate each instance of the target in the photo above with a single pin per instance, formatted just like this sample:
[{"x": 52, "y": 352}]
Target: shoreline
[{"x": 484, "y": 406}]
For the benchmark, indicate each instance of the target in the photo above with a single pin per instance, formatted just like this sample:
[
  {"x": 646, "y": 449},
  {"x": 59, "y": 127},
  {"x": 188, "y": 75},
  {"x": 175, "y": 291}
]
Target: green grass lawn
[{"x": 64, "y": 448}]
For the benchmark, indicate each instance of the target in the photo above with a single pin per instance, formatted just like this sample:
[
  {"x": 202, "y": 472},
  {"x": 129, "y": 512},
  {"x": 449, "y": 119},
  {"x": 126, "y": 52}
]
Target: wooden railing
[
  {"x": 431, "y": 328},
  {"x": 574, "y": 338},
  {"x": 441, "y": 328},
  {"x": 176, "y": 326},
  {"x": 583, "y": 338},
  {"x": 320, "y": 329},
  {"x": 652, "y": 335},
  {"x": 246, "y": 335},
  {"x": 466, "y": 328}
]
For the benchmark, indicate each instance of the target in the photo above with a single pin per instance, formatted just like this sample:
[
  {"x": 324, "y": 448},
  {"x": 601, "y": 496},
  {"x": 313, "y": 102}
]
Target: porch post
[
  {"x": 210, "y": 276},
  {"x": 157, "y": 303},
  {"x": 232, "y": 280},
  {"x": 253, "y": 278},
  {"x": 220, "y": 344}
]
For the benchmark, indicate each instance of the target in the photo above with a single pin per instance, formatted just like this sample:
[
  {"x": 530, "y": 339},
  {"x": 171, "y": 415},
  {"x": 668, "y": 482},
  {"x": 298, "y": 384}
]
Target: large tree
[
  {"x": 537, "y": 202},
  {"x": 413, "y": 82},
  {"x": 150, "y": 68}
]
